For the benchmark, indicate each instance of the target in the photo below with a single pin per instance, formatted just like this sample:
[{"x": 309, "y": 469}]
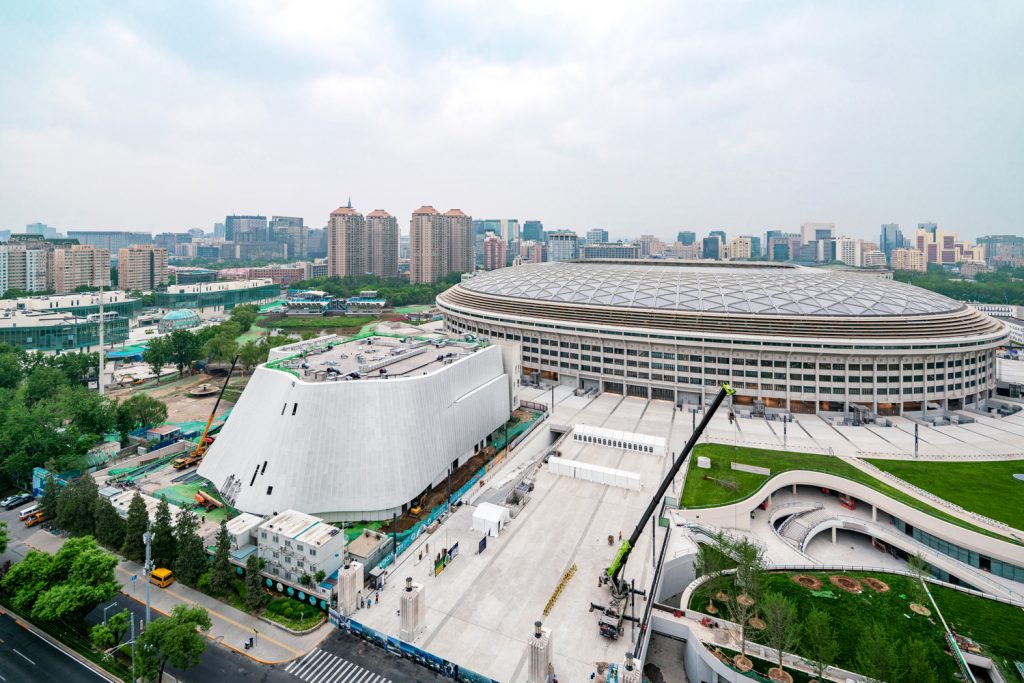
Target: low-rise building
[
  {"x": 218, "y": 295},
  {"x": 59, "y": 331},
  {"x": 295, "y": 544}
]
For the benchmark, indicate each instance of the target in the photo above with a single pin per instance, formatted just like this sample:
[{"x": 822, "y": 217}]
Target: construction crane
[
  {"x": 196, "y": 455},
  {"x": 614, "y": 613}
]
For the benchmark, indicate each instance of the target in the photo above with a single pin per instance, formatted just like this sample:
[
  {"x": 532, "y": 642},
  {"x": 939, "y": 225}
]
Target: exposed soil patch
[
  {"x": 875, "y": 584},
  {"x": 777, "y": 674},
  {"x": 756, "y": 623},
  {"x": 920, "y": 609},
  {"x": 848, "y": 584},
  {"x": 744, "y": 599},
  {"x": 809, "y": 582},
  {"x": 722, "y": 596},
  {"x": 742, "y": 663}
]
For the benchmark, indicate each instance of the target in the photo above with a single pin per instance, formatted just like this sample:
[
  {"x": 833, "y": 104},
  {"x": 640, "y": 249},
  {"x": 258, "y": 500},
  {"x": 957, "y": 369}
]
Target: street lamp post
[
  {"x": 113, "y": 604},
  {"x": 147, "y": 538}
]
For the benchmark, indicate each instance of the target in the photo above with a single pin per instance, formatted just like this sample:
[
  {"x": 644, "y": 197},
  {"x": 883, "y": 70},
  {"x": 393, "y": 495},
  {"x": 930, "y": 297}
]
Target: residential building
[
  {"x": 315, "y": 269},
  {"x": 688, "y": 251},
  {"x": 294, "y": 544},
  {"x": 891, "y": 238},
  {"x": 403, "y": 247},
  {"x": 813, "y": 232},
  {"x": 291, "y": 231},
  {"x": 245, "y": 228},
  {"x": 969, "y": 269},
  {"x": 597, "y": 236},
  {"x": 533, "y": 231},
  {"x": 23, "y": 267},
  {"x": 141, "y": 267},
  {"x": 686, "y": 237},
  {"x": 78, "y": 265},
  {"x": 1003, "y": 249},
  {"x": 495, "y": 252},
  {"x": 848, "y": 250},
  {"x": 531, "y": 252},
  {"x": 111, "y": 240},
  {"x": 563, "y": 245},
  {"x": 874, "y": 258},
  {"x": 610, "y": 250},
  {"x": 909, "y": 259},
  {"x": 427, "y": 245},
  {"x": 278, "y": 274},
  {"x": 740, "y": 249},
  {"x": 382, "y": 244},
  {"x": 347, "y": 243},
  {"x": 711, "y": 248},
  {"x": 458, "y": 235}
]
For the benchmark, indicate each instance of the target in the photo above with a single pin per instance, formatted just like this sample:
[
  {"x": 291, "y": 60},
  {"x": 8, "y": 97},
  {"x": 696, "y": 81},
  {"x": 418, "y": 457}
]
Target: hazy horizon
[{"x": 636, "y": 118}]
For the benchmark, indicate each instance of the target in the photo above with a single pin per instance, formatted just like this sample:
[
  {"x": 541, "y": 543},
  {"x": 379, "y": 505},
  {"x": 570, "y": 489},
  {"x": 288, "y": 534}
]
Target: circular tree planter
[
  {"x": 812, "y": 583},
  {"x": 710, "y": 608},
  {"x": 920, "y": 609},
  {"x": 847, "y": 583},
  {"x": 876, "y": 585},
  {"x": 744, "y": 599},
  {"x": 722, "y": 596},
  {"x": 756, "y": 623},
  {"x": 742, "y": 663},
  {"x": 777, "y": 674}
]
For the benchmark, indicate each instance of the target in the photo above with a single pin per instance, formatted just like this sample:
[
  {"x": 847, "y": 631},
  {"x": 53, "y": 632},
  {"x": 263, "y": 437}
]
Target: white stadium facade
[{"x": 785, "y": 337}]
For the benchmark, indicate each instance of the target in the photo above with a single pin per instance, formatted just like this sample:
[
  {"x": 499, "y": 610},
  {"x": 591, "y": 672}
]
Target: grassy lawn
[
  {"x": 318, "y": 322},
  {"x": 852, "y": 613},
  {"x": 983, "y": 487},
  {"x": 700, "y": 492},
  {"x": 294, "y": 614},
  {"x": 997, "y": 627}
]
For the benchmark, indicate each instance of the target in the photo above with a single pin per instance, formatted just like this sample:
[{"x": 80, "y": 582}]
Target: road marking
[
  {"x": 337, "y": 666},
  {"x": 320, "y": 666},
  {"x": 24, "y": 657},
  {"x": 288, "y": 669},
  {"x": 309, "y": 664}
]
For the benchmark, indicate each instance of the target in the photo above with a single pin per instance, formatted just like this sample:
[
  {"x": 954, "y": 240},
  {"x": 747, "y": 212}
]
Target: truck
[{"x": 196, "y": 455}]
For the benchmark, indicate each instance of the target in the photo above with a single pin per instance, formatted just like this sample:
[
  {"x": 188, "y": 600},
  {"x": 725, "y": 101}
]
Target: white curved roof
[{"x": 692, "y": 287}]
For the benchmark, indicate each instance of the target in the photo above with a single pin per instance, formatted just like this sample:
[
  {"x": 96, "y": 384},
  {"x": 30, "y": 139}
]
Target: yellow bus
[{"x": 161, "y": 577}]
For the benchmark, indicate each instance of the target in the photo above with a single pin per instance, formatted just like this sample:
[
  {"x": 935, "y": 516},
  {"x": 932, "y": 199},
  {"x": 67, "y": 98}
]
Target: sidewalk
[{"x": 229, "y": 626}]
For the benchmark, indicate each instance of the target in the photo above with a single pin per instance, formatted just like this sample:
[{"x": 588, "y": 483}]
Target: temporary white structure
[
  {"x": 490, "y": 518},
  {"x": 594, "y": 473},
  {"x": 642, "y": 443}
]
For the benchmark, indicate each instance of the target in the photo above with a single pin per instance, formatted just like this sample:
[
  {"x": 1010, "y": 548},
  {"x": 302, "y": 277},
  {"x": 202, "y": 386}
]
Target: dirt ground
[{"x": 180, "y": 406}]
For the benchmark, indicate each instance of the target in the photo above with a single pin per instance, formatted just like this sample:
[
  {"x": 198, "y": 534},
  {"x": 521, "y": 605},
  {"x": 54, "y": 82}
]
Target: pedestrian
[{"x": 620, "y": 534}]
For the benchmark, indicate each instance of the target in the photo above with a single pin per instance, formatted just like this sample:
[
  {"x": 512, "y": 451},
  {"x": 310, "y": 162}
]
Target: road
[{"x": 26, "y": 657}]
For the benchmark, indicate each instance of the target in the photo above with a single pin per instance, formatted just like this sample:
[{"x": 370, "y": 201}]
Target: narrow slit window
[
  {"x": 284, "y": 408},
  {"x": 270, "y": 489},
  {"x": 294, "y": 408},
  {"x": 264, "y": 467},
  {"x": 253, "y": 480}
]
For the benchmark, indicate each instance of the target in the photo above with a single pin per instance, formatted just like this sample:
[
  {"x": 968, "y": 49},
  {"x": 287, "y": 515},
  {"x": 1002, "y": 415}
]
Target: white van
[{"x": 24, "y": 514}]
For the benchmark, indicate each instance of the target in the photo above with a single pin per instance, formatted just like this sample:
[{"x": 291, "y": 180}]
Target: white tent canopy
[
  {"x": 611, "y": 438},
  {"x": 490, "y": 518}
]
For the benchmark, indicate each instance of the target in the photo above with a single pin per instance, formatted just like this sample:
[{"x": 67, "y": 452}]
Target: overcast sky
[{"x": 632, "y": 116}]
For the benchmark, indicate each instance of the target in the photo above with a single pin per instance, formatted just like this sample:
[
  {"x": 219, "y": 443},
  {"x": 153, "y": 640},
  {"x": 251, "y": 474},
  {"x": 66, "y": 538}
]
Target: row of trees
[
  {"x": 398, "y": 292},
  {"x": 48, "y": 417},
  {"x": 1005, "y": 286},
  {"x": 735, "y": 571}
]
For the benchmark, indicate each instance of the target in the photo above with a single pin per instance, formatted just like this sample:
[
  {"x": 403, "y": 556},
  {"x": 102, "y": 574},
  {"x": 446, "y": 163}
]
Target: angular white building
[{"x": 358, "y": 430}]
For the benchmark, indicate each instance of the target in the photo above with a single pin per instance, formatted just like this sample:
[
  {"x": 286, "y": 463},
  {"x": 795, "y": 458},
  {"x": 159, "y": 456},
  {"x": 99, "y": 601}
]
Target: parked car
[{"x": 11, "y": 502}]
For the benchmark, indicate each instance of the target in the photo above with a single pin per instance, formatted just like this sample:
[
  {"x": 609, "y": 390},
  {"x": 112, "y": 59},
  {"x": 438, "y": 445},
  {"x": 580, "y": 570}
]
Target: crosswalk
[{"x": 323, "y": 667}]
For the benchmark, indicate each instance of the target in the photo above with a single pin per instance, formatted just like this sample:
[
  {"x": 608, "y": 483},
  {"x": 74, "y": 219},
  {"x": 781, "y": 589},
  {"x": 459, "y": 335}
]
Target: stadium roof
[{"x": 696, "y": 288}]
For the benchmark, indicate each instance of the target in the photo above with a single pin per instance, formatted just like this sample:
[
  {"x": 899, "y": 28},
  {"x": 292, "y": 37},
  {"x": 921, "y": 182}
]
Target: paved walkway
[{"x": 229, "y": 626}]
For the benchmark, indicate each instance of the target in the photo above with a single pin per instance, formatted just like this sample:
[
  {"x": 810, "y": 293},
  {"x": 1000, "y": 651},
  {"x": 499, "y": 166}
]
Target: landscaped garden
[
  {"x": 721, "y": 485},
  {"x": 983, "y": 487},
  {"x": 996, "y": 627},
  {"x": 293, "y": 614}
]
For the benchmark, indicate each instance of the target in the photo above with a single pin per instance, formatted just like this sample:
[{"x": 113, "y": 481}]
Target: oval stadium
[{"x": 787, "y": 338}]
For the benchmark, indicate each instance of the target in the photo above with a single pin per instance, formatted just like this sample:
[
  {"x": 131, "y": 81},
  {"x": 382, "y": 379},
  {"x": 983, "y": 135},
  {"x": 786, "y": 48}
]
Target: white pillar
[
  {"x": 540, "y": 655},
  {"x": 350, "y": 581},
  {"x": 833, "y": 535},
  {"x": 630, "y": 672},
  {"x": 413, "y": 611},
  {"x": 874, "y": 514}
]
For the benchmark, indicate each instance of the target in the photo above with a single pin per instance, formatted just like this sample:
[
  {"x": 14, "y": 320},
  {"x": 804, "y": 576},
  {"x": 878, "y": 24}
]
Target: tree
[
  {"x": 252, "y": 353},
  {"x": 51, "y": 495},
  {"x": 10, "y": 371},
  {"x": 782, "y": 631},
  {"x": 245, "y": 316},
  {"x": 221, "y": 347},
  {"x": 320, "y": 576},
  {"x": 221, "y": 573},
  {"x": 918, "y": 659},
  {"x": 876, "y": 653},
  {"x": 91, "y": 413},
  {"x": 918, "y": 566},
  {"x": 163, "y": 547},
  {"x": 158, "y": 353},
  {"x": 175, "y": 639},
  {"x": 710, "y": 563},
  {"x": 255, "y": 597},
  {"x": 76, "y": 507},
  {"x": 136, "y": 524},
  {"x": 63, "y": 586},
  {"x": 819, "y": 642},
  {"x": 191, "y": 560},
  {"x": 3, "y": 537},
  {"x": 108, "y": 635},
  {"x": 185, "y": 348},
  {"x": 140, "y": 410},
  {"x": 43, "y": 383},
  {"x": 109, "y": 525},
  {"x": 78, "y": 368}
]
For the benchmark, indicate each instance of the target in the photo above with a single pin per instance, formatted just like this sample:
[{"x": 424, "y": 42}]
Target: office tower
[
  {"x": 909, "y": 259},
  {"x": 219, "y": 231},
  {"x": 891, "y": 238},
  {"x": 77, "y": 265},
  {"x": 168, "y": 241},
  {"x": 316, "y": 243},
  {"x": 403, "y": 247},
  {"x": 141, "y": 267},
  {"x": 245, "y": 228},
  {"x": 563, "y": 245},
  {"x": 720, "y": 234},
  {"x": 686, "y": 238},
  {"x": 492, "y": 225},
  {"x": 930, "y": 228},
  {"x": 711, "y": 247},
  {"x": 533, "y": 231},
  {"x": 495, "y": 251},
  {"x": 41, "y": 229},
  {"x": 347, "y": 253},
  {"x": 597, "y": 236},
  {"x": 755, "y": 247},
  {"x": 23, "y": 267},
  {"x": 1003, "y": 249},
  {"x": 110, "y": 240},
  {"x": 509, "y": 229},
  {"x": 946, "y": 248},
  {"x": 740, "y": 249},
  {"x": 458, "y": 235},
  {"x": 813, "y": 232},
  {"x": 427, "y": 246},
  {"x": 290, "y": 230},
  {"x": 848, "y": 250},
  {"x": 382, "y": 229}
]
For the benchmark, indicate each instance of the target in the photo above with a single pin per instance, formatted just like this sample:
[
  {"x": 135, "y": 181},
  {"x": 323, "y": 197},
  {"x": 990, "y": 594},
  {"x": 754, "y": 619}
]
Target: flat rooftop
[{"x": 375, "y": 357}]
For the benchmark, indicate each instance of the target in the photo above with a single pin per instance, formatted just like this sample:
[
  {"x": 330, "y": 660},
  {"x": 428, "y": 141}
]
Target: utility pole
[
  {"x": 147, "y": 538},
  {"x": 99, "y": 377}
]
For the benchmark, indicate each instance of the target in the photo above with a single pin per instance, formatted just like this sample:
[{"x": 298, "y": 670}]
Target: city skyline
[{"x": 699, "y": 118}]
